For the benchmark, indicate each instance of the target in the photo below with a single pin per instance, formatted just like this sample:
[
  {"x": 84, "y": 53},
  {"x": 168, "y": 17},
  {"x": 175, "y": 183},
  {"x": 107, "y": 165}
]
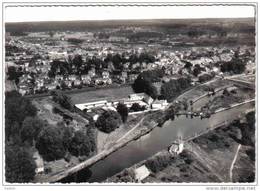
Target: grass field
[{"x": 101, "y": 94}]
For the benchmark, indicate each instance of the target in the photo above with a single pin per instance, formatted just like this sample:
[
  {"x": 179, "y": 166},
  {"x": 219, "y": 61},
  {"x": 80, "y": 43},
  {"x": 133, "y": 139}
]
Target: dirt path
[
  {"x": 233, "y": 162},
  {"x": 131, "y": 130}
]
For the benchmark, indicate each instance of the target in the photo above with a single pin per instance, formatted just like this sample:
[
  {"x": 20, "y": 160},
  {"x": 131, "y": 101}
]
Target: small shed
[
  {"x": 39, "y": 163},
  {"x": 141, "y": 173}
]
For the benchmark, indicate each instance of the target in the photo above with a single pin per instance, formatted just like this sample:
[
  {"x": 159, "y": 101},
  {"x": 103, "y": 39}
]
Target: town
[{"x": 74, "y": 97}]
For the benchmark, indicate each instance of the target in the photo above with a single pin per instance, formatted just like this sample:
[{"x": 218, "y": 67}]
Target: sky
[{"x": 27, "y": 14}]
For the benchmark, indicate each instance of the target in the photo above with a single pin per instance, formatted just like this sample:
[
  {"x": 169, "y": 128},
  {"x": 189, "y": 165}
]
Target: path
[
  {"x": 233, "y": 162},
  {"x": 131, "y": 130}
]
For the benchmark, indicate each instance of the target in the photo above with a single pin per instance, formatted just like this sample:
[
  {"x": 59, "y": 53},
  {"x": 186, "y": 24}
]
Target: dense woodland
[{"x": 25, "y": 133}]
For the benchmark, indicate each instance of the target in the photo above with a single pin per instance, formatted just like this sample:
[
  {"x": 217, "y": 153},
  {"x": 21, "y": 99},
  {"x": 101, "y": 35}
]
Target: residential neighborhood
[{"x": 130, "y": 101}]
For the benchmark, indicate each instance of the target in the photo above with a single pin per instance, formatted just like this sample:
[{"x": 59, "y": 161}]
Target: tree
[
  {"x": 123, "y": 111},
  {"x": 187, "y": 65},
  {"x": 13, "y": 74},
  {"x": 17, "y": 108},
  {"x": 51, "y": 33},
  {"x": 117, "y": 61},
  {"x": 62, "y": 99},
  {"x": 50, "y": 143},
  {"x": 172, "y": 88},
  {"x": 19, "y": 164},
  {"x": 67, "y": 133},
  {"x": 151, "y": 91},
  {"x": 31, "y": 128},
  {"x": 77, "y": 61},
  {"x": 144, "y": 81},
  {"x": 80, "y": 144},
  {"x": 236, "y": 65},
  {"x": 108, "y": 121}
]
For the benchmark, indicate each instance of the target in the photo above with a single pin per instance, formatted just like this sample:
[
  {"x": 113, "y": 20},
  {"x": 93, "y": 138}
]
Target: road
[{"x": 233, "y": 162}]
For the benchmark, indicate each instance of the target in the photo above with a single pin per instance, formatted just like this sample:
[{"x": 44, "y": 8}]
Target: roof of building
[{"x": 141, "y": 173}]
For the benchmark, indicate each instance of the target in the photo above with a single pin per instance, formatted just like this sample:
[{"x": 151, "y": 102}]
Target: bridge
[{"x": 243, "y": 83}]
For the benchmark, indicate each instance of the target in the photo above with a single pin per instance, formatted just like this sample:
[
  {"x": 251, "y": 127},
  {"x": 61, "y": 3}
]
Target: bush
[{"x": 158, "y": 163}]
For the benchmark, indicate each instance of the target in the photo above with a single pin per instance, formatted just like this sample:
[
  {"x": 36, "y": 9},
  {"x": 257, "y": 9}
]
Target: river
[{"x": 154, "y": 142}]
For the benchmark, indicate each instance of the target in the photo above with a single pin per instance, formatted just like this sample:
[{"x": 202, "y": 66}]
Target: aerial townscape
[{"x": 142, "y": 101}]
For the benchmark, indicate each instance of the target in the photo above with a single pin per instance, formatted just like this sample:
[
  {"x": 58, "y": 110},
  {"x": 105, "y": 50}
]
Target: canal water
[{"x": 157, "y": 140}]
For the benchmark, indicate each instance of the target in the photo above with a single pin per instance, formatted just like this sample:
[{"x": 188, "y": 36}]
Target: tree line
[{"x": 114, "y": 62}]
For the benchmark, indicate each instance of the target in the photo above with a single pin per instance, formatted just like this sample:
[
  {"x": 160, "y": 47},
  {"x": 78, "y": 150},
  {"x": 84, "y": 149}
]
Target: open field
[{"x": 101, "y": 94}]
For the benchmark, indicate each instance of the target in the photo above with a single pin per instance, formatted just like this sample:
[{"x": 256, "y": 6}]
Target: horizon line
[{"x": 107, "y": 20}]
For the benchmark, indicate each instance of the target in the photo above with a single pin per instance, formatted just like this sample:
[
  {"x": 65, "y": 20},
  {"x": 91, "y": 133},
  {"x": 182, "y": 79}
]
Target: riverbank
[
  {"x": 220, "y": 155},
  {"x": 159, "y": 139},
  {"x": 147, "y": 126}
]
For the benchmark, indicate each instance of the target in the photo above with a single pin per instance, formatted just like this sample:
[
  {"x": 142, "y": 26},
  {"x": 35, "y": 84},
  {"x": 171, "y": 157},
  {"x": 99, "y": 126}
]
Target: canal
[{"x": 153, "y": 142}]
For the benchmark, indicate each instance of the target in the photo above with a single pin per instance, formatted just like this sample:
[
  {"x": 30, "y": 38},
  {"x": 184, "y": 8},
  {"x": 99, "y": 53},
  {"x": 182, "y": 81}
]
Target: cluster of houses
[
  {"x": 35, "y": 62},
  {"x": 142, "y": 99}
]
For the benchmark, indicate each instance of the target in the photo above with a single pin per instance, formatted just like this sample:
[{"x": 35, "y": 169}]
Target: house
[
  {"x": 89, "y": 105},
  {"x": 159, "y": 104},
  {"x": 86, "y": 79},
  {"x": 58, "y": 77},
  {"x": 102, "y": 81},
  {"x": 216, "y": 70},
  {"x": 141, "y": 173},
  {"x": 136, "y": 65},
  {"x": 143, "y": 65},
  {"x": 105, "y": 74},
  {"x": 77, "y": 83},
  {"x": 126, "y": 65},
  {"x": 23, "y": 91},
  {"x": 68, "y": 83},
  {"x": 137, "y": 96},
  {"x": 92, "y": 72},
  {"x": 124, "y": 74},
  {"x": 39, "y": 83},
  {"x": 132, "y": 77},
  {"x": 72, "y": 77},
  {"x": 57, "y": 55},
  {"x": 129, "y": 103},
  {"x": 51, "y": 86},
  {"x": 148, "y": 100}
]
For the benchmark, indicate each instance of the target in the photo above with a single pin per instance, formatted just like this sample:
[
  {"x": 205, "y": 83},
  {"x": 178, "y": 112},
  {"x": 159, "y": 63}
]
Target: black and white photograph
[{"x": 129, "y": 94}]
